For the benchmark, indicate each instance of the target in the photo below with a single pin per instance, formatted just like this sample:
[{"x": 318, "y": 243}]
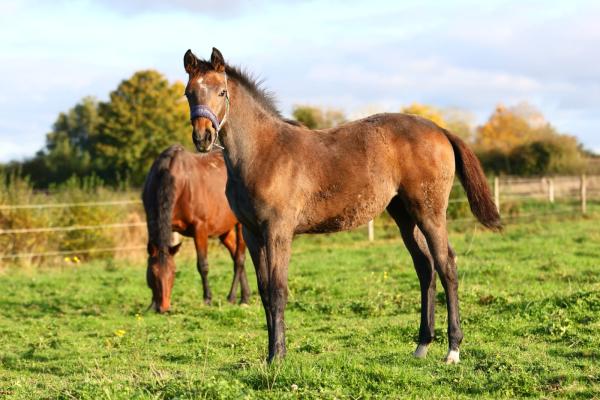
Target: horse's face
[
  {"x": 206, "y": 92},
  {"x": 160, "y": 277}
]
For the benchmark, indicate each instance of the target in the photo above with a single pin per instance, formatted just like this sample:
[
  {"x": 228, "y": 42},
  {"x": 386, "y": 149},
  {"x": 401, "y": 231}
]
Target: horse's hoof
[
  {"x": 452, "y": 357},
  {"x": 208, "y": 302},
  {"x": 421, "y": 351},
  {"x": 231, "y": 300},
  {"x": 244, "y": 304}
]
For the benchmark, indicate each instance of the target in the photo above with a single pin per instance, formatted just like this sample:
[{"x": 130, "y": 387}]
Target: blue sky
[{"x": 359, "y": 56}]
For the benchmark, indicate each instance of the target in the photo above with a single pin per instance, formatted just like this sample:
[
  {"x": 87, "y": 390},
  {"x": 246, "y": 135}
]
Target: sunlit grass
[{"x": 530, "y": 303}]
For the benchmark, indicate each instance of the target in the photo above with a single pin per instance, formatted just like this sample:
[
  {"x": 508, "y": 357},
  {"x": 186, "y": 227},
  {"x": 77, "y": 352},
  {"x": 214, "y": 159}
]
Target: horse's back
[
  {"x": 362, "y": 165},
  {"x": 200, "y": 181}
]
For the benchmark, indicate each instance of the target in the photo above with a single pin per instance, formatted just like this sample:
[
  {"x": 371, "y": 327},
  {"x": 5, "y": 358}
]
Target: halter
[{"x": 202, "y": 111}]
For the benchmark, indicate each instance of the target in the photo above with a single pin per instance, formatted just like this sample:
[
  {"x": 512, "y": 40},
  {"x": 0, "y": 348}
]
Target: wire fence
[{"x": 516, "y": 198}]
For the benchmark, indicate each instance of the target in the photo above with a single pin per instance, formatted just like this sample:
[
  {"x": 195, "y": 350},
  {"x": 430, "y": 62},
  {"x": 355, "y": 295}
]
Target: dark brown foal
[
  {"x": 185, "y": 193},
  {"x": 285, "y": 180}
]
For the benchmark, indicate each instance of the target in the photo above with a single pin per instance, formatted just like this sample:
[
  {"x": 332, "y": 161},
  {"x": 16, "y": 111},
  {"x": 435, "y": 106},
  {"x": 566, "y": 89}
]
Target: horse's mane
[{"x": 252, "y": 84}]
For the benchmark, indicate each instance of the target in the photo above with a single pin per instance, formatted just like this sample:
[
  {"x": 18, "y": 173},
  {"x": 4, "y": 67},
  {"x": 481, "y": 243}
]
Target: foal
[
  {"x": 185, "y": 193},
  {"x": 285, "y": 180}
]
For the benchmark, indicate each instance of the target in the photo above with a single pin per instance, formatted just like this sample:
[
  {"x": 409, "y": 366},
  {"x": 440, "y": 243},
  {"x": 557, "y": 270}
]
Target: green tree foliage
[
  {"x": 116, "y": 140},
  {"x": 69, "y": 149},
  {"x": 550, "y": 155},
  {"x": 144, "y": 115},
  {"x": 316, "y": 118}
]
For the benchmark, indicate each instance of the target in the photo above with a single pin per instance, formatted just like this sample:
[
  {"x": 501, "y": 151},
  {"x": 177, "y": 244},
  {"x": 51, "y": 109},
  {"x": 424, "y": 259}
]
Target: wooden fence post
[
  {"x": 551, "y": 190},
  {"x": 371, "y": 230},
  {"x": 583, "y": 194},
  {"x": 497, "y": 192}
]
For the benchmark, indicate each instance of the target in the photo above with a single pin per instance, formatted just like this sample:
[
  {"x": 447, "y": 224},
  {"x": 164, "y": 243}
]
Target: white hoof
[
  {"x": 452, "y": 357},
  {"x": 421, "y": 351}
]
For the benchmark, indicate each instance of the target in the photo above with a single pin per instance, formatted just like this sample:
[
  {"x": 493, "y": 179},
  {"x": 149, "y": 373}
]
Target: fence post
[
  {"x": 583, "y": 194},
  {"x": 371, "y": 230},
  {"x": 551, "y": 190},
  {"x": 497, "y": 192}
]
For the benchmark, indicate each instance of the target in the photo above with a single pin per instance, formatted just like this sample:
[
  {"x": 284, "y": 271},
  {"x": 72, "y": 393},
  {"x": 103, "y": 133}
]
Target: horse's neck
[{"x": 250, "y": 129}]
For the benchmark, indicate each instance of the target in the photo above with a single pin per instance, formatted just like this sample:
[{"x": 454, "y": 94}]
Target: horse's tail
[
  {"x": 158, "y": 198},
  {"x": 475, "y": 183}
]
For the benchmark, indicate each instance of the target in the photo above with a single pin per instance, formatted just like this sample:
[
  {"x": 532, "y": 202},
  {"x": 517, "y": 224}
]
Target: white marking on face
[
  {"x": 175, "y": 239},
  {"x": 202, "y": 86}
]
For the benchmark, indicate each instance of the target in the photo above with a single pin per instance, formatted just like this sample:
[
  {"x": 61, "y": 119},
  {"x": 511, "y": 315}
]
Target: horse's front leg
[
  {"x": 258, "y": 252},
  {"x": 279, "y": 245}
]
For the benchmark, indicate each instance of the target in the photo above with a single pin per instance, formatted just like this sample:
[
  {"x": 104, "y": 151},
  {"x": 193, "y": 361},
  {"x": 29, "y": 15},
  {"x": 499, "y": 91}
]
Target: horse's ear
[
  {"x": 174, "y": 249},
  {"x": 217, "y": 61},
  {"x": 190, "y": 62}
]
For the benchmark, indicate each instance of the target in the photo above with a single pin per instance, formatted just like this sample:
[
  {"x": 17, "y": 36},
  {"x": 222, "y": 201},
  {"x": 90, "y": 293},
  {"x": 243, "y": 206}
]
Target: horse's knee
[
  {"x": 202, "y": 266},
  {"x": 240, "y": 261}
]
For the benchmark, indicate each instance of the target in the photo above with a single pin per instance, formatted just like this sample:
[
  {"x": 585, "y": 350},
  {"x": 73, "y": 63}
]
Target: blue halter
[{"x": 201, "y": 111}]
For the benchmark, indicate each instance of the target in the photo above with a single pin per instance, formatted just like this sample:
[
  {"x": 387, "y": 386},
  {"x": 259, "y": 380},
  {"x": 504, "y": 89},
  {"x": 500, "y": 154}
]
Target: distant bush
[
  {"x": 548, "y": 156},
  {"x": 18, "y": 191},
  {"x": 552, "y": 155}
]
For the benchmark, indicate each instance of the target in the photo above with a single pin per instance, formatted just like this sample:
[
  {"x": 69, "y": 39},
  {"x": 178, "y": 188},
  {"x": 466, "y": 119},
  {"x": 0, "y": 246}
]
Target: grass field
[{"x": 530, "y": 302}]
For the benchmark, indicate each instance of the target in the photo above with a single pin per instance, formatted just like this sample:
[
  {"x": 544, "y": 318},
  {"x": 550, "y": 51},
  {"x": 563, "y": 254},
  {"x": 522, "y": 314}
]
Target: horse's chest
[{"x": 241, "y": 204}]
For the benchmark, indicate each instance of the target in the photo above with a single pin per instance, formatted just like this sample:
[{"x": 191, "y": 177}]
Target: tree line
[
  {"x": 513, "y": 141},
  {"x": 117, "y": 140}
]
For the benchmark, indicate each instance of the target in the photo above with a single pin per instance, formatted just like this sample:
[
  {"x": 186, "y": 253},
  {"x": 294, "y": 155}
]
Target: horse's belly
[{"x": 340, "y": 214}]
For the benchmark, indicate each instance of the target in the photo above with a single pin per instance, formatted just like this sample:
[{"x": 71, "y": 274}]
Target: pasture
[{"x": 530, "y": 304}]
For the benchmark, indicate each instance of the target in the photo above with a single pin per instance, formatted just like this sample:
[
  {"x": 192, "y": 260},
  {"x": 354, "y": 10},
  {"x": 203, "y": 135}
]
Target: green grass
[{"x": 530, "y": 302}]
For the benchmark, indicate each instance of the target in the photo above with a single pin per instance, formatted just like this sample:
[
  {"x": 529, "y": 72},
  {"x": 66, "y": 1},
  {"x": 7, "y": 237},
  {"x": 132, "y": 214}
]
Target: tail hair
[{"x": 473, "y": 179}]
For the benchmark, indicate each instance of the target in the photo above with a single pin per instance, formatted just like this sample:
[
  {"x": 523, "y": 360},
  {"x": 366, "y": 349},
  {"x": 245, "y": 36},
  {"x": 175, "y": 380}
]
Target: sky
[{"x": 359, "y": 56}]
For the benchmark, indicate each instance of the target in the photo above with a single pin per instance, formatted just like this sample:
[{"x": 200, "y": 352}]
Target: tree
[
  {"x": 316, "y": 118},
  {"x": 519, "y": 141},
  {"x": 69, "y": 146},
  {"x": 144, "y": 115},
  {"x": 503, "y": 131}
]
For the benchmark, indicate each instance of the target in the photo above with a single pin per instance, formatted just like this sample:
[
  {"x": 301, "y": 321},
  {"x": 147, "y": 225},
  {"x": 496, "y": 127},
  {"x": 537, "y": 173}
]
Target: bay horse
[
  {"x": 185, "y": 193},
  {"x": 285, "y": 180}
]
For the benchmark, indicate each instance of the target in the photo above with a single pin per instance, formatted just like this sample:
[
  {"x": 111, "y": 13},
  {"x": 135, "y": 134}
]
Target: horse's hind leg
[
  {"x": 201, "y": 243},
  {"x": 231, "y": 240},
  {"x": 240, "y": 259},
  {"x": 423, "y": 262},
  {"x": 434, "y": 229}
]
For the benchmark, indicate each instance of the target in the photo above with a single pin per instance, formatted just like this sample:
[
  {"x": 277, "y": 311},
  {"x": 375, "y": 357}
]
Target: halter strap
[{"x": 202, "y": 111}]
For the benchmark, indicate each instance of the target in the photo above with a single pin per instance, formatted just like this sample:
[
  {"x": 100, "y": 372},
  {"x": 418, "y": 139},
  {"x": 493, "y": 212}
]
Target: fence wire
[
  {"x": 70, "y": 228},
  {"x": 71, "y": 252},
  {"x": 68, "y": 205},
  {"x": 509, "y": 185}
]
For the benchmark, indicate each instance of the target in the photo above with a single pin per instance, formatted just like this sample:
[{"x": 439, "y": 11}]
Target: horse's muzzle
[{"x": 203, "y": 143}]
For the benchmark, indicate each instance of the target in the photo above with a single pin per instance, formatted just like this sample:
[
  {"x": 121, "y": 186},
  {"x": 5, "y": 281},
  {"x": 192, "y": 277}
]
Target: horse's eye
[{"x": 223, "y": 93}]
